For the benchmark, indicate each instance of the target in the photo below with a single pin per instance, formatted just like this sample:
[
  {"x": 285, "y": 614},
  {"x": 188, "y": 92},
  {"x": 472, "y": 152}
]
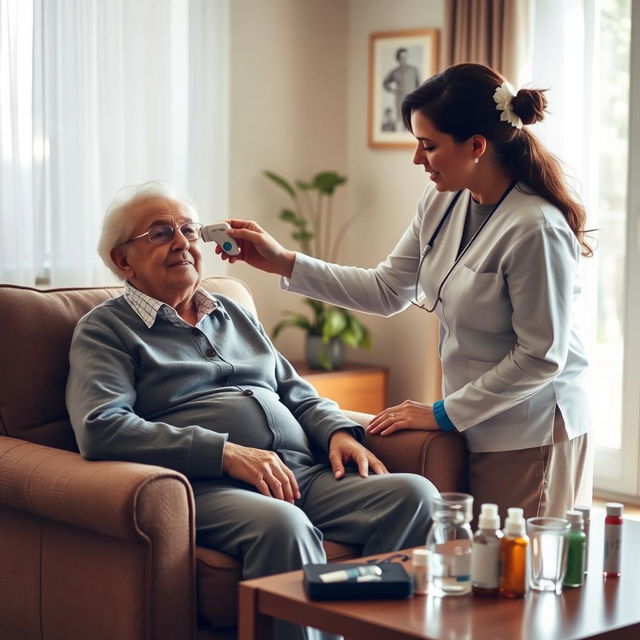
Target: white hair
[{"x": 118, "y": 223}]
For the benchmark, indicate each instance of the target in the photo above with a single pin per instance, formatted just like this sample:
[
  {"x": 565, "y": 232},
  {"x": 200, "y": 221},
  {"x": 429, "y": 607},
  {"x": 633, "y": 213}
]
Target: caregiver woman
[{"x": 493, "y": 250}]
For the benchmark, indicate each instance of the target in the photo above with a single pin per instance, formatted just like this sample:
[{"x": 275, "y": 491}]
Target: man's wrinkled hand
[
  {"x": 262, "y": 469},
  {"x": 343, "y": 447}
]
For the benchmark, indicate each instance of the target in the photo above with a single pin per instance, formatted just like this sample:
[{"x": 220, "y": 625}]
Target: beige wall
[
  {"x": 288, "y": 102},
  {"x": 299, "y": 105},
  {"x": 386, "y": 186}
]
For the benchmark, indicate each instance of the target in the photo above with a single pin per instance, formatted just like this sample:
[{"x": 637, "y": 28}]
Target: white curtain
[
  {"x": 94, "y": 95},
  {"x": 564, "y": 55},
  {"x": 580, "y": 53},
  {"x": 564, "y": 59}
]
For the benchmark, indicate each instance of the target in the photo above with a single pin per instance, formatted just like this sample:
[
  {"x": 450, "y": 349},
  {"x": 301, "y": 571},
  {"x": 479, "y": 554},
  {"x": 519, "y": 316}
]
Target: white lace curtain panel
[{"x": 95, "y": 95}]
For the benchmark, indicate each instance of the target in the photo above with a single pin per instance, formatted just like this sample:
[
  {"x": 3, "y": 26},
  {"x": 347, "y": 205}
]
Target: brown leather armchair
[{"x": 106, "y": 550}]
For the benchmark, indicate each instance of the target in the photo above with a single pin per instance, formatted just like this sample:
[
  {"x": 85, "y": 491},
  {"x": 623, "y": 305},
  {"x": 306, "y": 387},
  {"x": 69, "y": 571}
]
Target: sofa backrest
[{"x": 36, "y": 327}]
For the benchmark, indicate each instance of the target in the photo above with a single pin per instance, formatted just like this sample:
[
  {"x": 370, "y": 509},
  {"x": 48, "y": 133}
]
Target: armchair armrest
[
  {"x": 439, "y": 456},
  {"x": 109, "y": 497},
  {"x": 86, "y": 539}
]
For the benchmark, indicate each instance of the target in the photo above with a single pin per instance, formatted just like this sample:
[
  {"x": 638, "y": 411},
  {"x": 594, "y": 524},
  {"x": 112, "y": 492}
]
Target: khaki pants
[{"x": 544, "y": 481}]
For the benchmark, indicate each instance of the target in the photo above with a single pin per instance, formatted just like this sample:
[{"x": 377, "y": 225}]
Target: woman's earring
[{"x": 476, "y": 160}]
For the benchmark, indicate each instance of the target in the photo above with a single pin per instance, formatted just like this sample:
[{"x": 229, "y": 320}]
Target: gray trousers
[{"x": 379, "y": 513}]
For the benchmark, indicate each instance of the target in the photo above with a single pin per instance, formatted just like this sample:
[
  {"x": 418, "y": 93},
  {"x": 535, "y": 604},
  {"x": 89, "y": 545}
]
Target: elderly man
[{"x": 167, "y": 374}]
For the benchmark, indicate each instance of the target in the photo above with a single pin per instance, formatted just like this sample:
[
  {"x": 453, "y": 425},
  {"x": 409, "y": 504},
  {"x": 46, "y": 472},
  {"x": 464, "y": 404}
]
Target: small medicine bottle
[
  {"x": 485, "y": 553},
  {"x": 420, "y": 570},
  {"x": 586, "y": 516},
  {"x": 612, "y": 539},
  {"x": 513, "y": 555},
  {"x": 576, "y": 543}
]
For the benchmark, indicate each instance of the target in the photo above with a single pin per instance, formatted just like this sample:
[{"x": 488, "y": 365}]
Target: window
[
  {"x": 583, "y": 54},
  {"x": 92, "y": 99}
]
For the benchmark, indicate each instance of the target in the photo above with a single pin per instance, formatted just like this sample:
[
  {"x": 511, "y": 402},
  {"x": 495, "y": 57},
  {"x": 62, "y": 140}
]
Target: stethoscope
[{"x": 431, "y": 242}]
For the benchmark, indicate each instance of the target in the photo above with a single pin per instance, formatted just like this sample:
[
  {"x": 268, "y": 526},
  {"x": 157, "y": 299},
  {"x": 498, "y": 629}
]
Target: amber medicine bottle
[{"x": 513, "y": 555}]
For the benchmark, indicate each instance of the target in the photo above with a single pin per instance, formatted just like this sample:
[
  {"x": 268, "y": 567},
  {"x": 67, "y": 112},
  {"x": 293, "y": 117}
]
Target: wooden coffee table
[{"x": 600, "y": 609}]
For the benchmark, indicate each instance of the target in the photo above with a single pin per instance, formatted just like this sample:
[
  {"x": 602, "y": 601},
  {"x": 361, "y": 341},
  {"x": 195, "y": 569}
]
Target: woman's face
[{"x": 450, "y": 164}]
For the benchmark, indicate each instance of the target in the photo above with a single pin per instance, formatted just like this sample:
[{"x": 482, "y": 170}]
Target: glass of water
[{"x": 547, "y": 553}]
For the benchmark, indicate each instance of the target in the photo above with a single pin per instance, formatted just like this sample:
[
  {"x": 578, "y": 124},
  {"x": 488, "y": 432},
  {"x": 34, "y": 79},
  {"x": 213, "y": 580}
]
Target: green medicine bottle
[{"x": 577, "y": 543}]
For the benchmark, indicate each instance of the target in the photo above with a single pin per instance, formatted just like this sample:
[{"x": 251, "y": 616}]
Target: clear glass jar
[{"x": 450, "y": 541}]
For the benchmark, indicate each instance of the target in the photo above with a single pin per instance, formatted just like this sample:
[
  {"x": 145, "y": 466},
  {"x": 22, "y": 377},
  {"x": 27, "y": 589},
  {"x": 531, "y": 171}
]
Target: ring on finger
[{"x": 393, "y": 415}]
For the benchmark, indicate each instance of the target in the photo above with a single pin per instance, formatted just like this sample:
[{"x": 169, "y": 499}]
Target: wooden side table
[
  {"x": 355, "y": 387},
  {"x": 599, "y": 609}
]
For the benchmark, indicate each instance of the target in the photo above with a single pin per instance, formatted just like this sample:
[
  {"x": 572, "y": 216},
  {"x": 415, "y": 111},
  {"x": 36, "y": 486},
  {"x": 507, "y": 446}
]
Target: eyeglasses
[{"x": 163, "y": 233}]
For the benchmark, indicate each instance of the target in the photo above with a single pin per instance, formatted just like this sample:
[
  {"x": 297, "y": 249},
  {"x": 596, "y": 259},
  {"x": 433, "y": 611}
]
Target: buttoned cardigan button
[
  {"x": 210, "y": 352},
  {"x": 247, "y": 392}
]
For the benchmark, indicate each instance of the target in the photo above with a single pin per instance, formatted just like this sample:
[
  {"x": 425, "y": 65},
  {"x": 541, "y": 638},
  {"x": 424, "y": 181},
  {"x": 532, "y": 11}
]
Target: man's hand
[
  {"x": 343, "y": 447},
  {"x": 408, "y": 415},
  {"x": 263, "y": 469}
]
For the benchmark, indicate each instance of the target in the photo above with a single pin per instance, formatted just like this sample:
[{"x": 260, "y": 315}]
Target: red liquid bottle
[{"x": 612, "y": 540}]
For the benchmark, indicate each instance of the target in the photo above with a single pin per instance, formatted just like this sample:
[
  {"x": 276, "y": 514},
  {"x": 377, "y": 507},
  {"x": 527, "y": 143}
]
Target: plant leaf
[
  {"x": 281, "y": 182},
  {"x": 353, "y": 333},
  {"x": 303, "y": 186},
  {"x": 349, "y": 338},
  {"x": 327, "y": 181},
  {"x": 366, "y": 342},
  {"x": 334, "y": 324},
  {"x": 289, "y": 216},
  {"x": 323, "y": 356},
  {"x": 317, "y": 306},
  {"x": 302, "y": 236},
  {"x": 296, "y": 320}
]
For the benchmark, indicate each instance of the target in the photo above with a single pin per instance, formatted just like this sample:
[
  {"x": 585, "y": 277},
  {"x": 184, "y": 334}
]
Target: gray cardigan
[{"x": 172, "y": 396}]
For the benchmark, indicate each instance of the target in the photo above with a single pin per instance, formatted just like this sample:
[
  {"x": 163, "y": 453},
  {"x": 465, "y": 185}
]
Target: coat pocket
[{"x": 478, "y": 300}]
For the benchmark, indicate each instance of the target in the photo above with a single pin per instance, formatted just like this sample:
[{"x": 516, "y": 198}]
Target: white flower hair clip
[{"x": 503, "y": 96}]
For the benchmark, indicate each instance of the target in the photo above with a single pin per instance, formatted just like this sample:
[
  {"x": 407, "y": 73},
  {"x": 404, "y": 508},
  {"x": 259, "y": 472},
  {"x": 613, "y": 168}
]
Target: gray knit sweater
[{"x": 172, "y": 396}]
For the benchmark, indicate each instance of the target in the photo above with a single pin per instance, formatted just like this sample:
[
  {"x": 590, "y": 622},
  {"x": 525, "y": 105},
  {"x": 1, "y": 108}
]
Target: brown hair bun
[{"x": 529, "y": 105}]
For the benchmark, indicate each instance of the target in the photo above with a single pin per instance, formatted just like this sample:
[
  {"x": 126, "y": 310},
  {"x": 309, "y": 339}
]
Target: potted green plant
[{"x": 330, "y": 328}]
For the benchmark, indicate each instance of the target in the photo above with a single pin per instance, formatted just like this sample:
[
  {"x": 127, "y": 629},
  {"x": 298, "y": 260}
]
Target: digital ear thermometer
[
  {"x": 218, "y": 233},
  {"x": 370, "y": 571}
]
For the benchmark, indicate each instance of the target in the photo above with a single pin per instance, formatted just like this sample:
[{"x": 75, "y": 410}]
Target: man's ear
[{"x": 119, "y": 258}]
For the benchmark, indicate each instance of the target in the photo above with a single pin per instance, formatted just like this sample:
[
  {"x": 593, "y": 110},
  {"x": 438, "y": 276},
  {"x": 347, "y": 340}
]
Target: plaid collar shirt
[{"x": 148, "y": 308}]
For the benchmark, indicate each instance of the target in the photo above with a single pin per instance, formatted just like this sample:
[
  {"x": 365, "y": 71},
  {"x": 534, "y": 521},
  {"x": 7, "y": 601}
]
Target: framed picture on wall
[{"x": 398, "y": 62}]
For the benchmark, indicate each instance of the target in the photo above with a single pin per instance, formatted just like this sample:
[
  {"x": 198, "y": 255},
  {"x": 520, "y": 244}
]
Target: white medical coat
[{"x": 509, "y": 344}]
